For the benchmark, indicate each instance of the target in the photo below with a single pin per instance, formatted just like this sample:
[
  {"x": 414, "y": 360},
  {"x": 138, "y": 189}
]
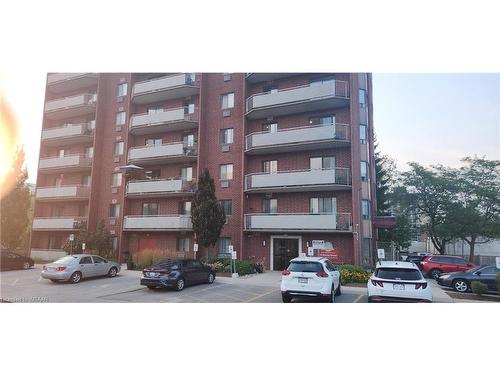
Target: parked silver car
[{"x": 73, "y": 268}]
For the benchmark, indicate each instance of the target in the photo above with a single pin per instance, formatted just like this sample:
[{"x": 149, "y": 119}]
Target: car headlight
[{"x": 444, "y": 276}]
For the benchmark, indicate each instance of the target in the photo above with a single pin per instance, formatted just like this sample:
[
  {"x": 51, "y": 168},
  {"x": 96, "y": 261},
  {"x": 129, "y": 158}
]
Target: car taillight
[
  {"x": 321, "y": 274},
  {"x": 61, "y": 268},
  {"x": 420, "y": 285},
  {"x": 377, "y": 282},
  {"x": 285, "y": 273}
]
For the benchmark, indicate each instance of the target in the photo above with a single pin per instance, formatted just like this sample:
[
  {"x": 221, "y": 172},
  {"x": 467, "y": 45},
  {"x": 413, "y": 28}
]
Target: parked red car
[{"x": 435, "y": 265}]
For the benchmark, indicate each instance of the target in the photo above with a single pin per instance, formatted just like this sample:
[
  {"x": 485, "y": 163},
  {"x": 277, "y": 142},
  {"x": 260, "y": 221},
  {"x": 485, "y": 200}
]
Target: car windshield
[
  {"x": 305, "y": 267},
  {"x": 398, "y": 274},
  {"x": 475, "y": 269},
  {"x": 65, "y": 260}
]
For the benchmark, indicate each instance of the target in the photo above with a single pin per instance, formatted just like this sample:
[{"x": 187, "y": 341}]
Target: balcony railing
[
  {"x": 313, "y": 97},
  {"x": 61, "y": 82},
  {"x": 72, "y": 106},
  {"x": 299, "y": 222},
  {"x": 157, "y": 223},
  {"x": 69, "y": 133},
  {"x": 298, "y": 139},
  {"x": 303, "y": 180},
  {"x": 263, "y": 77},
  {"x": 67, "y": 162},
  {"x": 59, "y": 223},
  {"x": 170, "y": 120},
  {"x": 165, "y": 88},
  {"x": 145, "y": 188},
  {"x": 62, "y": 192},
  {"x": 168, "y": 152}
]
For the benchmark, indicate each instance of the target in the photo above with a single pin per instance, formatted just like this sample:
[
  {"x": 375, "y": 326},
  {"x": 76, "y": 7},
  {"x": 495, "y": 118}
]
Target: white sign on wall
[
  {"x": 318, "y": 244},
  {"x": 381, "y": 253},
  {"x": 195, "y": 247},
  {"x": 498, "y": 262},
  {"x": 83, "y": 246},
  {"x": 310, "y": 251}
]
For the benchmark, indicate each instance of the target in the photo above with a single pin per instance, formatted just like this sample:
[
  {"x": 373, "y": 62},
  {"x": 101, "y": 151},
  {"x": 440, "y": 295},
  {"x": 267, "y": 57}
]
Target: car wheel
[
  {"x": 286, "y": 299},
  {"x": 75, "y": 278},
  {"x": 112, "y": 272},
  {"x": 211, "y": 278},
  {"x": 338, "y": 292},
  {"x": 435, "y": 273},
  {"x": 461, "y": 285},
  {"x": 26, "y": 266},
  {"x": 151, "y": 287},
  {"x": 180, "y": 284}
]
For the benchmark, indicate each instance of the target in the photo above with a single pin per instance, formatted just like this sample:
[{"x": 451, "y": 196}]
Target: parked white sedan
[
  {"x": 398, "y": 282},
  {"x": 310, "y": 277}
]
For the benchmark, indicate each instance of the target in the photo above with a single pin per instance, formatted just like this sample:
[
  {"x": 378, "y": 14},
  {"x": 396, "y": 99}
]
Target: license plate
[
  {"x": 398, "y": 286},
  {"x": 303, "y": 280}
]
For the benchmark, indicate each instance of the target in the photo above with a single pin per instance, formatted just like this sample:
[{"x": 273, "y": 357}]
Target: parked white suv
[
  {"x": 310, "y": 277},
  {"x": 398, "y": 282}
]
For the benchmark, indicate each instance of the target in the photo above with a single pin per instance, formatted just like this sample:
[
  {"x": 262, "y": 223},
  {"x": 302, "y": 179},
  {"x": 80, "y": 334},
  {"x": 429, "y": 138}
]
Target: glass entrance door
[{"x": 284, "y": 250}]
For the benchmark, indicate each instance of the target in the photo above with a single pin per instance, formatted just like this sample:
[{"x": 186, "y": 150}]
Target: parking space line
[
  {"x": 260, "y": 296},
  {"x": 359, "y": 298}
]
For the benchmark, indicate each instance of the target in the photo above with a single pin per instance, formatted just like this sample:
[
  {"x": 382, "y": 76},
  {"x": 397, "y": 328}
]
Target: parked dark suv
[
  {"x": 169, "y": 273},
  {"x": 12, "y": 261},
  {"x": 435, "y": 265}
]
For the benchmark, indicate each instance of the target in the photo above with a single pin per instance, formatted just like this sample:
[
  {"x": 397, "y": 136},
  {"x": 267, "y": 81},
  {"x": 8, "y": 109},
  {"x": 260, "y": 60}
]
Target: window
[
  {"x": 114, "y": 210},
  {"x": 118, "y": 149},
  {"x": 362, "y": 98},
  {"x": 270, "y": 166},
  {"x": 98, "y": 259},
  {"x": 188, "y": 140},
  {"x": 62, "y": 152},
  {"x": 364, "y": 170},
  {"x": 185, "y": 208},
  {"x": 326, "y": 205},
  {"x": 56, "y": 211},
  {"x": 154, "y": 142},
  {"x": 363, "y": 134},
  {"x": 89, "y": 151},
  {"x": 227, "y": 100},
  {"x": 153, "y": 174},
  {"x": 150, "y": 209},
  {"x": 183, "y": 244},
  {"x": 58, "y": 181},
  {"x": 327, "y": 162},
  {"x": 86, "y": 260},
  {"x": 120, "y": 118},
  {"x": 365, "y": 209},
  {"x": 226, "y": 172},
  {"x": 491, "y": 270},
  {"x": 322, "y": 120},
  {"x": 54, "y": 242},
  {"x": 83, "y": 210},
  {"x": 226, "y": 77},
  {"x": 398, "y": 274},
  {"x": 308, "y": 267},
  {"x": 227, "y": 205},
  {"x": 223, "y": 245},
  {"x": 187, "y": 173},
  {"x": 189, "y": 107},
  {"x": 86, "y": 180},
  {"x": 270, "y": 89},
  {"x": 271, "y": 128},
  {"x": 153, "y": 110},
  {"x": 116, "y": 179},
  {"x": 329, "y": 265},
  {"x": 122, "y": 89},
  {"x": 270, "y": 206},
  {"x": 226, "y": 136}
]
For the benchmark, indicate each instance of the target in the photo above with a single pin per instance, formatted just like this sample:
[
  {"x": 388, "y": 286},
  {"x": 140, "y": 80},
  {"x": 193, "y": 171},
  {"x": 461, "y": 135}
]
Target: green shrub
[
  {"x": 498, "y": 282},
  {"x": 353, "y": 274},
  {"x": 244, "y": 267},
  {"x": 478, "y": 287}
]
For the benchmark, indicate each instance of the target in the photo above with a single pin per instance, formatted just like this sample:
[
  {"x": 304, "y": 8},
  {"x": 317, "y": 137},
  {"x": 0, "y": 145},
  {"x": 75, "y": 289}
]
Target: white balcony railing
[
  {"x": 65, "y": 192},
  {"x": 160, "y": 186},
  {"x": 68, "y": 131},
  {"x": 298, "y": 179},
  {"x": 59, "y": 223},
  {"x": 171, "y": 116},
  {"x": 167, "y": 150},
  {"x": 165, "y": 88},
  {"x": 67, "y": 161},
  {"x": 298, "y": 136},
  {"x": 71, "y": 102},
  {"x": 299, "y": 222},
  {"x": 156, "y": 223},
  {"x": 55, "y": 78}
]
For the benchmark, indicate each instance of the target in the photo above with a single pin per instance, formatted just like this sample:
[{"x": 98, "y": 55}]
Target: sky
[{"x": 427, "y": 118}]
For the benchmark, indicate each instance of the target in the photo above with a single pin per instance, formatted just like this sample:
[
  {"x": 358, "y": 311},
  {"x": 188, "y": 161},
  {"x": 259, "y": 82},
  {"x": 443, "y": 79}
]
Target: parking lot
[{"x": 28, "y": 286}]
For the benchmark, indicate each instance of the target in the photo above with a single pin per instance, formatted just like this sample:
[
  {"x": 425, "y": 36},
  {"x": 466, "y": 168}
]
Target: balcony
[
  {"x": 314, "y": 97},
  {"x": 62, "y": 82},
  {"x": 165, "y": 88},
  {"x": 159, "y": 188},
  {"x": 298, "y": 139},
  {"x": 166, "y": 153},
  {"x": 160, "y": 122},
  {"x": 336, "y": 222},
  {"x": 157, "y": 223},
  {"x": 69, "y": 134},
  {"x": 53, "y": 193},
  {"x": 67, "y": 163},
  {"x": 58, "y": 223},
  {"x": 304, "y": 180},
  {"x": 72, "y": 106},
  {"x": 265, "y": 77}
]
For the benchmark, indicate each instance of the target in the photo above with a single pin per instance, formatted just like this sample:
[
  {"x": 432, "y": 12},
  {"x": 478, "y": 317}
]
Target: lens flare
[{"x": 8, "y": 145}]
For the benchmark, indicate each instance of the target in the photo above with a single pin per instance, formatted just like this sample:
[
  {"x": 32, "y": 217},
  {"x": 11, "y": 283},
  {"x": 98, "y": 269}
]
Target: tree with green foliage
[
  {"x": 207, "y": 215},
  {"x": 383, "y": 179},
  {"x": 99, "y": 242},
  {"x": 16, "y": 208}
]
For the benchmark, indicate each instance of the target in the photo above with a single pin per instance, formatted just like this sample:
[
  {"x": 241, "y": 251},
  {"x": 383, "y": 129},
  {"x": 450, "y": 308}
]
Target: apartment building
[{"x": 291, "y": 155}]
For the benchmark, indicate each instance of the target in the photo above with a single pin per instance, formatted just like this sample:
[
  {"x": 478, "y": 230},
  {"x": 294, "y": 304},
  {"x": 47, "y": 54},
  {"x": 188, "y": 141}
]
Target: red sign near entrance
[{"x": 331, "y": 254}]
